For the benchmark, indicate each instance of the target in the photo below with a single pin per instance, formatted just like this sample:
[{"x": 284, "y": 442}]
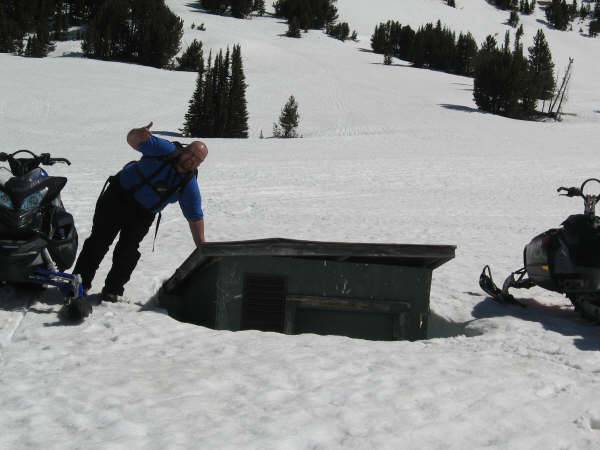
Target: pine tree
[
  {"x": 241, "y": 8},
  {"x": 193, "y": 126},
  {"x": 141, "y": 31},
  {"x": 222, "y": 94},
  {"x": 192, "y": 60},
  {"x": 259, "y": 7},
  {"x": 542, "y": 68},
  {"x": 466, "y": 52},
  {"x": 518, "y": 36},
  {"x": 215, "y": 6},
  {"x": 293, "y": 29},
  {"x": 288, "y": 120},
  {"x": 558, "y": 14},
  {"x": 513, "y": 20},
  {"x": 489, "y": 44},
  {"x": 237, "y": 124}
]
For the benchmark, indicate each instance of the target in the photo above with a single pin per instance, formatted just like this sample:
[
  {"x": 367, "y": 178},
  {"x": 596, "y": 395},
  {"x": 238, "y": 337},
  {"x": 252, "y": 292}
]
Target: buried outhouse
[{"x": 368, "y": 291}]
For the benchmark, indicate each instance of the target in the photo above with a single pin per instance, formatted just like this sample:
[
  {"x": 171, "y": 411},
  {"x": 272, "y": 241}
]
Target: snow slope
[{"x": 390, "y": 154}]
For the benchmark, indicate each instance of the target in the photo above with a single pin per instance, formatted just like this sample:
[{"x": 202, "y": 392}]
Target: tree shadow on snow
[
  {"x": 462, "y": 108},
  {"x": 544, "y": 22},
  {"x": 168, "y": 133},
  {"x": 391, "y": 65},
  {"x": 559, "y": 318},
  {"x": 73, "y": 55}
]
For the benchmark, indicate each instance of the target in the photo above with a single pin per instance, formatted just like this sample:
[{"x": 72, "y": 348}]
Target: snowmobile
[
  {"x": 564, "y": 260},
  {"x": 38, "y": 238}
]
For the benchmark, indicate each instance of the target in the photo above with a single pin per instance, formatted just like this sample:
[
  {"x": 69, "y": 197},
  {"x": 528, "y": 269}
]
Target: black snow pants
[{"x": 116, "y": 212}]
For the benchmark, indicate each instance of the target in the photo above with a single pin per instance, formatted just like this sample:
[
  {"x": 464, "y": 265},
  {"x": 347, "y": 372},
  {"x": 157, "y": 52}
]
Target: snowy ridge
[{"x": 390, "y": 154}]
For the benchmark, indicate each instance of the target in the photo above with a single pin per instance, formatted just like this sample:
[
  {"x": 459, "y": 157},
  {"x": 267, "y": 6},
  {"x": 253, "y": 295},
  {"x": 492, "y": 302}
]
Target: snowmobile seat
[{"x": 582, "y": 235}]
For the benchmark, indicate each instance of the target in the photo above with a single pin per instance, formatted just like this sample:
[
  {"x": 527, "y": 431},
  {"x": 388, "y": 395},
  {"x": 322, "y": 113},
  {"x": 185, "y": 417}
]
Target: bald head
[{"x": 194, "y": 154}]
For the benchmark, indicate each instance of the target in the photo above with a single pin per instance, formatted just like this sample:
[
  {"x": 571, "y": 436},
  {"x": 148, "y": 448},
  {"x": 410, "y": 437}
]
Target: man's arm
[
  {"x": 138, "y": 136},
  {"x": 197, "y": 229}
]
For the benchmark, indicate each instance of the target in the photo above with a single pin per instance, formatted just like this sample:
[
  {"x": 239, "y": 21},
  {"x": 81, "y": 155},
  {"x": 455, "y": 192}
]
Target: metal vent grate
[{"x": 264, "y": 302}]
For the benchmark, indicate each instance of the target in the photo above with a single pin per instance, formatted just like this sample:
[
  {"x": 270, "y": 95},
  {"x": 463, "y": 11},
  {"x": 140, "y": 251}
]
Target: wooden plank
[{"x": 348, "y": 304}]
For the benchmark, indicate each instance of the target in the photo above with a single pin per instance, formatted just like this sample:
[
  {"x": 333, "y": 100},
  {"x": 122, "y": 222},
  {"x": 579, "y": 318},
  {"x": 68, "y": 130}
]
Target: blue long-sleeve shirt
[{"x": 189, "y": 196}]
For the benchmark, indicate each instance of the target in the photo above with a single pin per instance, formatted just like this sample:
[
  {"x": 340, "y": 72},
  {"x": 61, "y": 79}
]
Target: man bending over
[{"x": 166, "y": 173}]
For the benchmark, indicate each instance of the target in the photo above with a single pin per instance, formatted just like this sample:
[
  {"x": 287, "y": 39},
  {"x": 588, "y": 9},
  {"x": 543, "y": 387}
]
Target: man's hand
[{"x": 138, "y": 136}]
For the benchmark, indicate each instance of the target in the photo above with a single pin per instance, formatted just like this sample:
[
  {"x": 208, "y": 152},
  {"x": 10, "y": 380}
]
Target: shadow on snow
[{"x": 560, "y": 319}]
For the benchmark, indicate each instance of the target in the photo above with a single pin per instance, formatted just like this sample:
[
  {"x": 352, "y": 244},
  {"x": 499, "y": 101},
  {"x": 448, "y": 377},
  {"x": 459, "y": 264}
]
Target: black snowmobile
[
  {"x": 38, "y": 239},
  {"x": 565, "y": 260}
]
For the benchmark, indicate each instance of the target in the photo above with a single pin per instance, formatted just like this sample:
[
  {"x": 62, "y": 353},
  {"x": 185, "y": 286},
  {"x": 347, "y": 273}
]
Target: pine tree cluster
[
  {"x": 506, "y": 4},
  {"x": 526, "y": 7},
  {"x": 308, "y": 14},
  {"x": 523, "y": 6},
  {"x": 434, "y": 47},
  {"x": 509, "y": 84},
  {"x": 560, "y": 14},
  {"x": 237, "y": 8},
  {"x": 339, "y": 31},
  {"x": 141, "y": 31},
  {"x": 218, "y": 106},
  {"x": 43, "y": 20}
]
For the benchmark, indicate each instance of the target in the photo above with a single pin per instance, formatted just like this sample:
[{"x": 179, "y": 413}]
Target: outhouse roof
[{"x": 427, "y": 256}]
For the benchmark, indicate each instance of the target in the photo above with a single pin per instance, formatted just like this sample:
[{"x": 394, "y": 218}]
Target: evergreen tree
[
  {"x": 222, "y": 94},
  {"x": 339, "y": 31},
  {"x": 542, "y": 68},
  {"x": 506, "y": 4},
  {"x": 241, "y": 8},
  {"x": 237, "y": 125},
  {"x": 259, "y": 7},
  {"x": 518, "y": 36},
  {"x": 215, "y": 6},
  {"x": 293, "y": 28},
  {"x": 209, "y": 109},
  {"x": 218, "y": 106},
  {"x": 310, "y": 14},
  {"x": 513, "y": 20},
  {"x": 192, "y": 60},
  {"x": 36, "y": 47},
  {"x": 489, "y": 44},
  {"x": 158, "y": 35},
  {"x": 466, "y": 52},
  {"x": 558, "y": 14},
  {"x": 378, "y": 39},
  {"x": 142, "y": 31},
  {"x": 193, "y": 126},
  {"x": 288, "y": 120},
  {"x": 502, "y": 82}
]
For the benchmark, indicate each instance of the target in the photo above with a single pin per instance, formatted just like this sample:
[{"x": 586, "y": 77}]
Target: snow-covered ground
[{"x": 390, "y": 154}]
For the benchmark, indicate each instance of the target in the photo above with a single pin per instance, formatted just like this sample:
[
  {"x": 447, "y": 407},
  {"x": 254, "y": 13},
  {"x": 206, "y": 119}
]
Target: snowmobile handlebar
[
  {"x": 589, "y": 200},
  {"x": 569, "y": 192},
  {"x": 43, "y": 158}
]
